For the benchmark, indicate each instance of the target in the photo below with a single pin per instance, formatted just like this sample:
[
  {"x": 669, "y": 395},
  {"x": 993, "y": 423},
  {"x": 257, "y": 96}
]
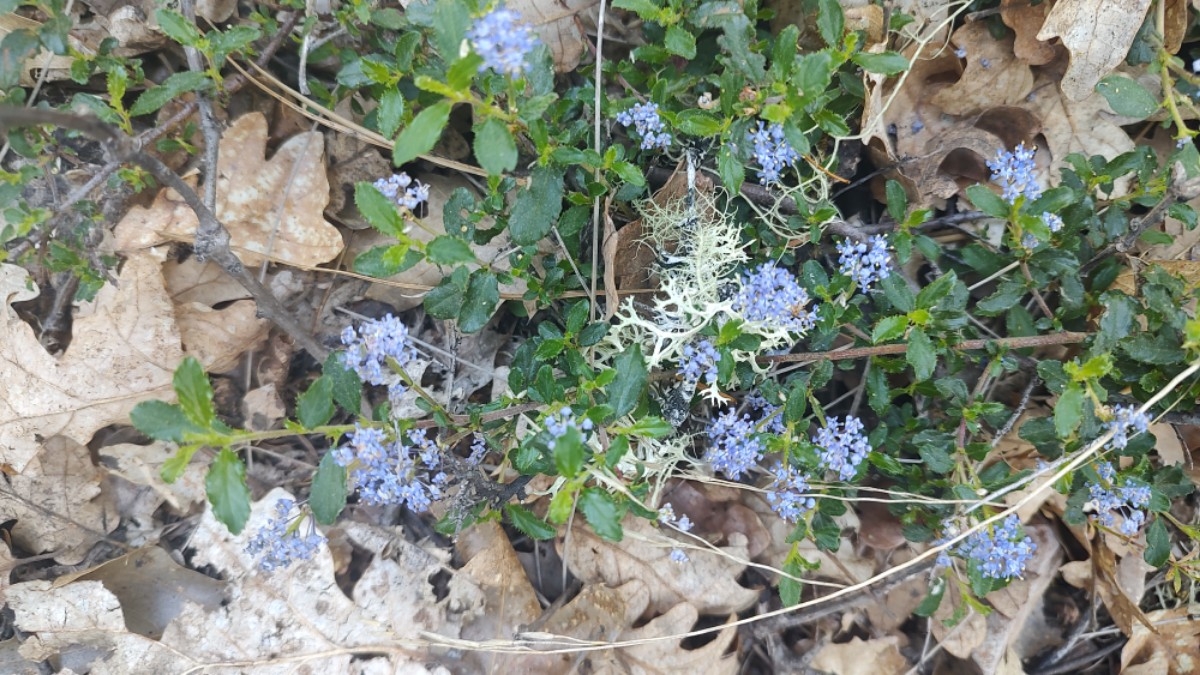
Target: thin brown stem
[{"x": 1064, "y": 338}]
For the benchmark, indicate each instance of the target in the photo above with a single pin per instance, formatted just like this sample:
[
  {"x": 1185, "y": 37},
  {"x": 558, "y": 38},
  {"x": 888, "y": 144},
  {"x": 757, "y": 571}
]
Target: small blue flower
[
  {"x": 559, "y": 423},
  {"x": 767, "y": 411},
  {"x": 645, "y": 119},
  {"x": 1001, "y": 552},
  {"x": 1110, "y": 498},
  {"x": 1014, "y": 172},
  {"x": 403, "y": 190},
  {"x": 986, "y": 63},
  {"x": 699, "y": 362},
  {"x": 771, "y": 295},
  {"x": 842, "y": 446},
  {"x": 678, "y": 556},
  {"x": 917, "y": 126},
  {"x": 503, "y": 41},
  {"x": 479, "y": 450},
  {"x": 1052, "y": 221},
  {"x": 734, "y": 444},
  {"x": 1029, "y": 241},
  {"x": 772, "y": 152},
  {"x": 961, "y": 52},
  {"x": 369, "y": 347},
  {"x": 865, "y": 264},
  {"x": 786, "y": 493},
  {"x": 1127, "y": 418},
  {"x": 283, "y": 543}
]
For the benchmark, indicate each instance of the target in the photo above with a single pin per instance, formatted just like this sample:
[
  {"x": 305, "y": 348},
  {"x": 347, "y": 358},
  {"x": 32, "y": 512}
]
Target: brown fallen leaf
[
  {"x": 1098, "y": 34},
  {"x": 879, "y": 656},
  {"x": 272, "y": 207},
  {"x": 994, "y": 76},
  {"x": 1026, "y": 19},
  {"x": 1173, "y": 650},
  {"x": 708, "y": 581},
  {"x": 556, "y": 26},
  {"x": 142, "y": 465},
  {"x": 125, "y": 349}
]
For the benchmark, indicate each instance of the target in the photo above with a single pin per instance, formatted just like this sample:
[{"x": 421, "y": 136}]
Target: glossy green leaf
[
  {"x": 529, "y": 524},
  {"x": 225, "y": 485},
  {"x": 495, "y": 147},
  {"x": 162, "y": 421},
  {"x": 328, "y": 496},
  {"x": 626, "y": 390},
  {"x": 314, "y": 407},
  {"x": 379, "y": 211},
  {"x": 447, "y": 250},
  {"x": 195, "y": 393},
  {"x": 173, "y": 87},
  {"x": 536, "y": 209},
  {"x": 390, "y": 112},
  {"x": 1127, "y": 97},
  {"x": 479, "y": 301},
  {"x": 422, "y": 134},
  {"x": 921, "y": 355},
  {"x": 602, "y": 513}
]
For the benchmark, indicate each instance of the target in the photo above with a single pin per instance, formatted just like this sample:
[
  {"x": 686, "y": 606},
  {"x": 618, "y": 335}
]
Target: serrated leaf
[
  {"x": 568, "y": 453},
  {"x": 920, "y": 355},
  {"x": 1127, "y": 97},
  {"x": 830, "y": 21},
  {"x": 445, "y": 300},
  {"x": 195, "y": 393},
  {"x": 225, "y": 485},
  {"x": 887, "y": 63},
  {"x": 602, "y": 513},
  {"x": 695, "y": 122},
  {"x": 889, "y": 328},
  {"x": 447, "y": 250},
  {"x": 422, "y": 133},
  {"x": 174, "y": 86},
  {"x": 479, "y": 302},
  {"x": 987, "y": 201},
  {"x": 495, "y": 147},
  {"x": 933, "y": 600},
  {"x": 385, "y": 261},
  {"x": 1158, "y": 544},
  {"x": 680, "y": 42},
  {"x": 173, "y": 468},
  {"x": 176, "y": 26},
  {"x": 626, "y": 389},
  {"x": 347, "y": 385},
  {"x": 379, "y": 211},
  {"x": 529, "y": 524},
  {"x": 314, "y": 407},
  {"x": 536, "y": 209},
  {"x": 592, "y": 334},
  {"x": 1068, "y": 412},
  {"x": 162, "y": 421},
  {"x": 328, "y": 496},
  {"x": 390, "y": 112}
]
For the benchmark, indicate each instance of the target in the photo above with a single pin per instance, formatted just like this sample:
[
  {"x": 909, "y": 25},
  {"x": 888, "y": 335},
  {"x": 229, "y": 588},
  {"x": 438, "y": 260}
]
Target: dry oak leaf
[
  {"x": 994, "y": 76},
  {"x": 293, "y": 619},
  {"x": 57, "y": 503},
  {"x": 272, "y": 207},
  {"x": 124, "y": 350},
  {"x": 1026, "y": 19},
  {"x": 1086, "y": 125},
  {"x": 880, "y": 656},
  {"x": 1098, "y": 34},
  {"x": 1175, "y": 650},
  {"x": 707, "y": 581}
]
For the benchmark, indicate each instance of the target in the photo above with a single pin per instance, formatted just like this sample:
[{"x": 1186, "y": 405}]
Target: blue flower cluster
[
  {"x": 786, "y": 493},
  {"x": 403, "y": 190},
  {"x": 842, "y": 446},
  {"x": 1053, "y": 221},
  {"x": 479, "y": 450},
  {"x": 388, "y": 472},
  {"x": 734, "y": 445},
  {"x": 1125, "y": 419},
  {"x": 865, "y": 264},
  {"x": 645, "y": 119},
  {"x": 1002, "y": 552},
  {"x": 1014, "y": 172},
  {"x": 282, "y": 542},
  {"x": 771, "y": 295},
  {"x": 503, "y": 41},
  {"x": 559, "y": 423},
  {"x": 767, "y": 411},
  {"x": 772, "y": 152},
  {"x": 369, "y": 347},
  {"x": 699, "y": 362},
  {"x": 1108, "y": 500}
]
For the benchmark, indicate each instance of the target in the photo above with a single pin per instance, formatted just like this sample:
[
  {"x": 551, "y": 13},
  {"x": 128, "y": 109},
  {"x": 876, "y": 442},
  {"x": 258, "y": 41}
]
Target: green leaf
[
  {"x": 173, "y": 468},
  {"x": 929, "y": 296},
  {"x": 162, "y": 421},
  {"x": 696, "y": 122},
  {"x": 194, "y": 392},
  {"x": 390, "y": 112},
  {"x": 830, "y": 22},
  {"x": 347, "y": 385},
  {"x": 789, "y": 587},
  {"x": 887, "y": 63},
  {"x": 647, "y": 10},
  {"x": 1158, "y": 544},
  {"x": 529, "y": 524},
  {"x": 536, "y": 209},
  {"x": 422, "y": 133},
  {"x": 920, "y": 355},
  {"x": 1127, "y": 97},
  {"x": 174, "y": 86},
  {"x": 177, "y": 27},
  {"x": 592, "y": 334},
  {"x": 626, "y": 389},
  {"x": 314, "y": 407},
  {"x": 385, "y": 261},
  {"x": 937, "y": 590},
  {"x": 897, "y": 200},
  {"x": 227, "y": 491},
  {"x": 447, "y": 250},
  {"x": 602, "y": 513},
  {"x": 987, "y": 201},
  {"x": 479, "y": 301},
  {"x": 379, "y": 211},
  {"x": 889, "y": 328},
  {"x": 731, "y": 170},
  {"x": 1069, "y": 411},
  {"x": 495, "y": 147},
  {"x": 1118, "y": 320},
  {"x": 328, "y": 496},
  {"x": 651, "y": 427},
  {"x": 450, "y": 20},
  {"x": 680, "y": 42},
  {"x": 568, "y": 453},
  {"x": 445, "y": 300}
]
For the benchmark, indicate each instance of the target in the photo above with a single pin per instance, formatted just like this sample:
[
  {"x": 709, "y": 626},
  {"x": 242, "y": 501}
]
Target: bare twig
[{"x": 1064, "y": 338}]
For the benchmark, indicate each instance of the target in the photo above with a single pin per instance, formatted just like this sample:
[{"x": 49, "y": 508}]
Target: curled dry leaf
[
  {"x": 1098, "y": 34},
  {"x": 1173, "y": 650},
  {"x": 142, "y": 465},
  {"x": 57, "y": 502},
  {"x": 994, "y": 76},
  {"x": 272, "y": 208},
  {"x": 708, "y": 581},
  {"x": 1026, "y": 19},
  {"x": 879, "y": 656},
  {"x": 124, "y": 350}
]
